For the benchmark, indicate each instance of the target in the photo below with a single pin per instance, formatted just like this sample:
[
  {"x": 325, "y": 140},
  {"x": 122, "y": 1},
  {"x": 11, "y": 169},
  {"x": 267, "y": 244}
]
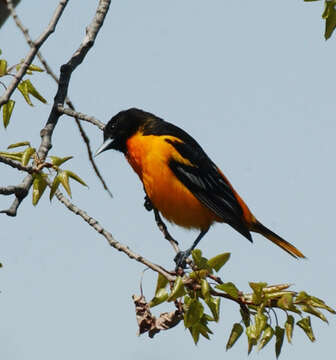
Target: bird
[{"x": 180, "y": 180}]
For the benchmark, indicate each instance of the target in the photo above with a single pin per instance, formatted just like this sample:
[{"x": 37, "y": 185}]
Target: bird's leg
[
  {"x": 163, "y": 228},
  {"x": 181, "y": 257}
]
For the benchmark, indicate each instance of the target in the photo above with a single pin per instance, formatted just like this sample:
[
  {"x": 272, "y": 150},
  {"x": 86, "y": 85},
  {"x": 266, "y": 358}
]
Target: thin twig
[
  {"x": 108, "y": 236},
  {"x": 93, "y": 163},
  {"x": 33, "y": 51},
  {"x": 81, "y": 116}
]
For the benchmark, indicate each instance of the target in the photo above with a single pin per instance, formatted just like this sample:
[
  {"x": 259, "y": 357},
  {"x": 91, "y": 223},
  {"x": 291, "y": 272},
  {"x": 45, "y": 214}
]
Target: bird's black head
[{"x": 121, "y": 127}]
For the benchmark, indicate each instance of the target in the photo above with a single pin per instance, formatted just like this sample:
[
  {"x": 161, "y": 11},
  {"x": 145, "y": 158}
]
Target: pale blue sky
[{"x": 253, "y": 82}]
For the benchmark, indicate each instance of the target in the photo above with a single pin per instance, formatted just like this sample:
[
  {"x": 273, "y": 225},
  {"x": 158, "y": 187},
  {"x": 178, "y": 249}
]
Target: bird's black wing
[{"x": 207, "y": 184}]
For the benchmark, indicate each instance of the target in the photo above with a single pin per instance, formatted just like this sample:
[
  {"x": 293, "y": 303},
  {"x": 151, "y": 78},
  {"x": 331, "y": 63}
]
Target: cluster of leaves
[
  {"x": 25, "y": 87},
  {"x": 329, "y": 15},
  {"x": 201, "y": 289},
  {"x": 40, "y": 178}
]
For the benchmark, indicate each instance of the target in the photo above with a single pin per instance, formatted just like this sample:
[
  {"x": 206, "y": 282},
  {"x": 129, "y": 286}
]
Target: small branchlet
[{"x": 197, "y": 296}]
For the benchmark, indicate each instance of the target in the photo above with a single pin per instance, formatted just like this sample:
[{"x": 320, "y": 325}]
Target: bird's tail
[{"x": 277, "y": 240}]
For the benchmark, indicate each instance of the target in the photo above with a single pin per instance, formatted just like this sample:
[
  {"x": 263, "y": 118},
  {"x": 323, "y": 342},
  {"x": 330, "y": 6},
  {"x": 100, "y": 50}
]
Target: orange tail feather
[{"x": 277, "y": 240}]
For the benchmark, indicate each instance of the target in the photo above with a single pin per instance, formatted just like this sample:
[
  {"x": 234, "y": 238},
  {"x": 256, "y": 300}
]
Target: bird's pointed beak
[{"x": 105, "y": 146}]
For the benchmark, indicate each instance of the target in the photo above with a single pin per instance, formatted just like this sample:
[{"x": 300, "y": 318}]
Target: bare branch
[
  {"x": 33, "y": 51},
  {"x": 19, "y": 196},
  {"x": 108, "y": 236},
  {"x": 9, "y": 190},
  {"x": 93, "y": 163},
  {"x": 81, "y": 116}
]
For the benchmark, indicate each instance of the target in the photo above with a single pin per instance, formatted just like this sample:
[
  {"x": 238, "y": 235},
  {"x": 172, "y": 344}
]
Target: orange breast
[{"x": 149, "y": 156}]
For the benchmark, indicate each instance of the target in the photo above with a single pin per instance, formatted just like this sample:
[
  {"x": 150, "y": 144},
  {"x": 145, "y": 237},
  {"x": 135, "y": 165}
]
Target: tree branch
[
  {"x": 66, "y": 72},
  {"x": 10, "y": 190},
  {"x": 67, "y": 100},
  {"x": 33, "y": 51},
  {"x": 81, "y": 116},
  {"x": 109, "y": 237},
  {"x": 20, "y": 194}
]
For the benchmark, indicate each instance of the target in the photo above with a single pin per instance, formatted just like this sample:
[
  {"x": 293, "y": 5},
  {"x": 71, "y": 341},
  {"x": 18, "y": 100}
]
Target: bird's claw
[{"x": 181, "y": 259}]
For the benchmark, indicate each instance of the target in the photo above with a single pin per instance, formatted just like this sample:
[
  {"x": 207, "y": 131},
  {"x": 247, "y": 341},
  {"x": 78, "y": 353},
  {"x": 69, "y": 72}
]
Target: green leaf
[
  {"x": 267, "y": 336},
  {"x": 302, "y": 298},
  {"x": 7, "y": 110},
  {"x": 32, "y": 67},
  {"x": 329, "y": 15},
  {"x": 194, "y": 313},
  {"x": 275, "y": 288},
  {"x": 230, "y": 289},
  {"x": 23, "y": 88},
  {"x": 28, "y": 153},
  {"x": 289, "y": 325},
  {"x": 203, "y": 328},
  {"x": 252, "y": 338},
  {"x": 32, "y": 90},
  {"x": 217, "y": 262},
  {"x": 57, "y": 161},
  {"x": 195, "y": 333},
  {"x": 214, "y": 306},
  {"x": 199, "y": 274},
  {"x": 318, "y": 303},
  {"x": 279, "y": 338},
  {"x": 178, "y": 290},
  {"x": 160, "y": 297},
  {"x": 260, "y": 323},
  {"x": 54, "y": 187},
  {"x": 161, "y": 283},
  {"x": 17, "y": 156},
  {"x": 257, "y": 290},
  {"x": 161, "y": 293},
  {"x": 236, "y": 332},
  {"x": 199, "y": 328},
  {"x": 205, "y": 289},
  {"x": 311, "y": 310},
  {"x": 75, "y": 177},
  {"x": 305, "y": 325},
  {"x": 199, "y": 261},
  {"x": 64, "y": 180},
  {"x": 22, "y": 143},
  {"x": 39, "y": 185},
  {"x": 3, "y": 67}
]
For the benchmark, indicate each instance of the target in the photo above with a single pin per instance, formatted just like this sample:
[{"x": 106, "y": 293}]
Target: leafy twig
[
  {"x": 66, "y": 72},
  {"x": 33, "y": 51}
]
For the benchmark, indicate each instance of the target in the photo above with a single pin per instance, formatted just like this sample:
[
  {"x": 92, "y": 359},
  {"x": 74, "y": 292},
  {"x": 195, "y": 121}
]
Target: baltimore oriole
[{"x": 180, "y": 180}]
